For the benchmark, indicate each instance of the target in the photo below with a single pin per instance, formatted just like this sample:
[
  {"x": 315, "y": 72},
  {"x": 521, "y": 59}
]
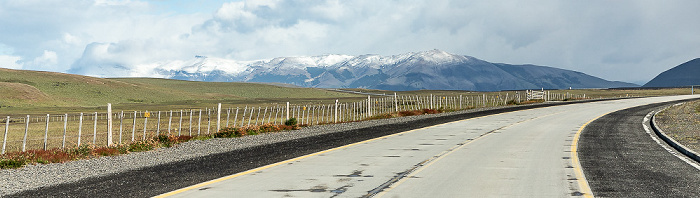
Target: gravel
[
  {"x": 682, "y": 123},
  {"x": 42, "y": 175}
]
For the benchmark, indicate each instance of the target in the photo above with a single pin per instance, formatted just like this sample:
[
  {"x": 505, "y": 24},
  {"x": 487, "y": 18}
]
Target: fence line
[{"x": 61, "y": 131}]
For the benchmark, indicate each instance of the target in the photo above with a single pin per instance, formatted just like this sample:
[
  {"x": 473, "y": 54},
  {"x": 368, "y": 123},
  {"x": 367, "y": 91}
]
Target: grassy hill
[{"x": 26, "y": 90}]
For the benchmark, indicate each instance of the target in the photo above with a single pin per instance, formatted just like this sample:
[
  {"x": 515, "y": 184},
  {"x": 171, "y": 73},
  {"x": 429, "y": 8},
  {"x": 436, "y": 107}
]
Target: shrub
[
  {"x": 82, "y": 150},
  {"x": 513, "y": 102},
  {"x": 12, "y": 163},
  {"x": 166, "y": 141},
  {"x": 381, "y": 116},
  {"x": 291, "y": 122},
  {"x": 141, "y": 146},
  {"x": 106, "y": 151},
  {"x": 230, "y": 132},
  {"x": 431, "y": 111},
  {"x": 410, "y": 113}
]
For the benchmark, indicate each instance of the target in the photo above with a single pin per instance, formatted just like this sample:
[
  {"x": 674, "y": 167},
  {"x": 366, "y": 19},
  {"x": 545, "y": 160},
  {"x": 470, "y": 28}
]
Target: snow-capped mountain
[{"x": 432, "y": 69}]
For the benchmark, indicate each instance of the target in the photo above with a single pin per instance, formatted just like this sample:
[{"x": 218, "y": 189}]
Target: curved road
[
  {"x": 528, "y": 153},
  {"x": 621, "y": 159},
  {"x": 494, "y": 153}
]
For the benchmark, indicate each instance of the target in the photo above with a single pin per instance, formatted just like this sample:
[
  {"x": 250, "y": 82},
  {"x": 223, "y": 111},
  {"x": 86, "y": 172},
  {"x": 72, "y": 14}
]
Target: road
[
  {"x": 527, "y": 153},
  {"x": 620, "y": 159}
]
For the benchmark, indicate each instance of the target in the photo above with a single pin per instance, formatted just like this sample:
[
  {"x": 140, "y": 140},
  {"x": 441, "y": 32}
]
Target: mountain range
[
  {"x": 434, "y": 69},
  {"x": 685, "y": 74}
]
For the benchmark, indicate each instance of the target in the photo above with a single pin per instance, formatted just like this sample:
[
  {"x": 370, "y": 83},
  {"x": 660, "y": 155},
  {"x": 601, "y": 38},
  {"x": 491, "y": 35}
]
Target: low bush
[
  {"x": 12, "y": 163},
  {"x": 141, "y": 146},
  {"x": 512, "y": 102},
  {"x": 410, "y": 113},
  {"x": 106, "y": 151},
  {"x": 291, "y": 122},
  {"x": 431, "y": 111}
]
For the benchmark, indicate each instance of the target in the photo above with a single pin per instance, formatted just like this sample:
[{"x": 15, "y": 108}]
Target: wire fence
[{"x": 69, "y": 130}]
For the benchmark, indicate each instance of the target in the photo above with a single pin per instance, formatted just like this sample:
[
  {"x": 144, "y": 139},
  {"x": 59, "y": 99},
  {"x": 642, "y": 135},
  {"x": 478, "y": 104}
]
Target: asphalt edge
[{"x": 670, "y": 141}]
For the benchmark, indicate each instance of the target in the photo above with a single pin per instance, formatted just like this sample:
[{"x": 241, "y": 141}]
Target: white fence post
[
  {"x": 121, "y": 126},
  {"x": 133, "y": 128},
  {"x": 46, "y": 132},
  {"x": 218, "y": 118},
  {"x": 369, "y": 106},
  {"x": 80, "y": 128},
  {"x": 170, "y": 121},
  {"x": 158, "y": 125},
  {"x": 65, "y": 129},
  {"x": 7, "y": 128},
  {"x": 336, "y": 111},
  {"x": 228, "y": 115},
  {"x": 26, "y": 130},
  {"x": 179, "y": 126},
  {"x": 287, "y": 111},
  {"x": 191, "y": 112},
  {"x": 145, "y": 123},
  {"x": 94, "y": 131},
  {"x": 109, "y": 124},
  {"x": 199, "y": 122},
  {"x": 396, "y": 102}
]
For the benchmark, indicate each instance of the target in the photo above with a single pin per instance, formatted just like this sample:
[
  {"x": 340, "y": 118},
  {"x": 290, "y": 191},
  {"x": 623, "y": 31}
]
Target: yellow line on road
[{"x": 580, "y": 177}]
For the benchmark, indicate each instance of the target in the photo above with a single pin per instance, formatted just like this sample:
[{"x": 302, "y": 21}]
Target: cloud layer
[{"x": 620, "y": 40}]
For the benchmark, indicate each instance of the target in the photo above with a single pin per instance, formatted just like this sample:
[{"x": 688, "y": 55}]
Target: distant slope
[
  {"x": 685, "y": 74},
  {"x": 23, "y": 88},
  {"x": 434, "y": 70},
  {"x": 549, "y": 77}
]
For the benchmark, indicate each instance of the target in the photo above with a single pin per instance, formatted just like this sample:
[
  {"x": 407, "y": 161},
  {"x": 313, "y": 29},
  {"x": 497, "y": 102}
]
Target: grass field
[{"x": 29, "y": 92}]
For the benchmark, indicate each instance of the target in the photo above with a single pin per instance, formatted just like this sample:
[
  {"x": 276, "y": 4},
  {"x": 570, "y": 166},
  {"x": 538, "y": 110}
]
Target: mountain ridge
[{"x": 433, "y": 69}]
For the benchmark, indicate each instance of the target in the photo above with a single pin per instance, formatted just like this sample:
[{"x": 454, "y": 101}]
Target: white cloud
[
  {"x": 602, "y": 38},
  {"x": 10, "y": 62},
  {"x": 48, "y": 59}
]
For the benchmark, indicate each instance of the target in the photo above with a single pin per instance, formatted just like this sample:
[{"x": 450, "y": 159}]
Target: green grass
[{"x": 24, "y": 92}]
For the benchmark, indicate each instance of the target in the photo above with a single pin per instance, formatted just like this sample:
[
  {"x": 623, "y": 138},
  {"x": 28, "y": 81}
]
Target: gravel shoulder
[
  {"x": 33, "y": 177},
  {"x": 682, "y": 123}
]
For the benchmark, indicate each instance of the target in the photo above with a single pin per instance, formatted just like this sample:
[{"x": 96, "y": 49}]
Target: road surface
[{"x": 527, "y": 153}]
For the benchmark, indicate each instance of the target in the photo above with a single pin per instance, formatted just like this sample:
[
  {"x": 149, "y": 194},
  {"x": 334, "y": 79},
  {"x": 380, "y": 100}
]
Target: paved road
[
  {"x": 523, "y": 154},
  {"x": 620, "y": 159},
  {"x": 155, "y": 180}
]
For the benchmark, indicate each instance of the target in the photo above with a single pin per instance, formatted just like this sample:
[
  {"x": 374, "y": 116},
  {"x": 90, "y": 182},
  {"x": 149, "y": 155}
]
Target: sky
[{"x": 624, "y": 40}]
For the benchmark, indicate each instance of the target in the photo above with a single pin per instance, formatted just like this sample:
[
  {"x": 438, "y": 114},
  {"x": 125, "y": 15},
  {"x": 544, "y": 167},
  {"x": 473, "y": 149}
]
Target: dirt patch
[
  {"x": 682, "y": 123},
  {"x": 20, "y": 91}
]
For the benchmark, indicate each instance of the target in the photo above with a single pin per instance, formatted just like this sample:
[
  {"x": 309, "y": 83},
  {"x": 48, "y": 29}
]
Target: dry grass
[
  {"x": 682, "y": 123},
  {"x": 56, "y": 155}
]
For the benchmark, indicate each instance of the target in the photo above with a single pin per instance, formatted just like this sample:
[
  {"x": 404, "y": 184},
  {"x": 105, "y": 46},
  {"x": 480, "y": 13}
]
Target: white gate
[{"x": 536, "y": 95}]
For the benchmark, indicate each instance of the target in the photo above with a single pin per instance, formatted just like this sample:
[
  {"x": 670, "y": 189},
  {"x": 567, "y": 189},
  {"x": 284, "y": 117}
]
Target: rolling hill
[
  {"x": 685, "y": 74},
  {"x": 23, "y": 88}
]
